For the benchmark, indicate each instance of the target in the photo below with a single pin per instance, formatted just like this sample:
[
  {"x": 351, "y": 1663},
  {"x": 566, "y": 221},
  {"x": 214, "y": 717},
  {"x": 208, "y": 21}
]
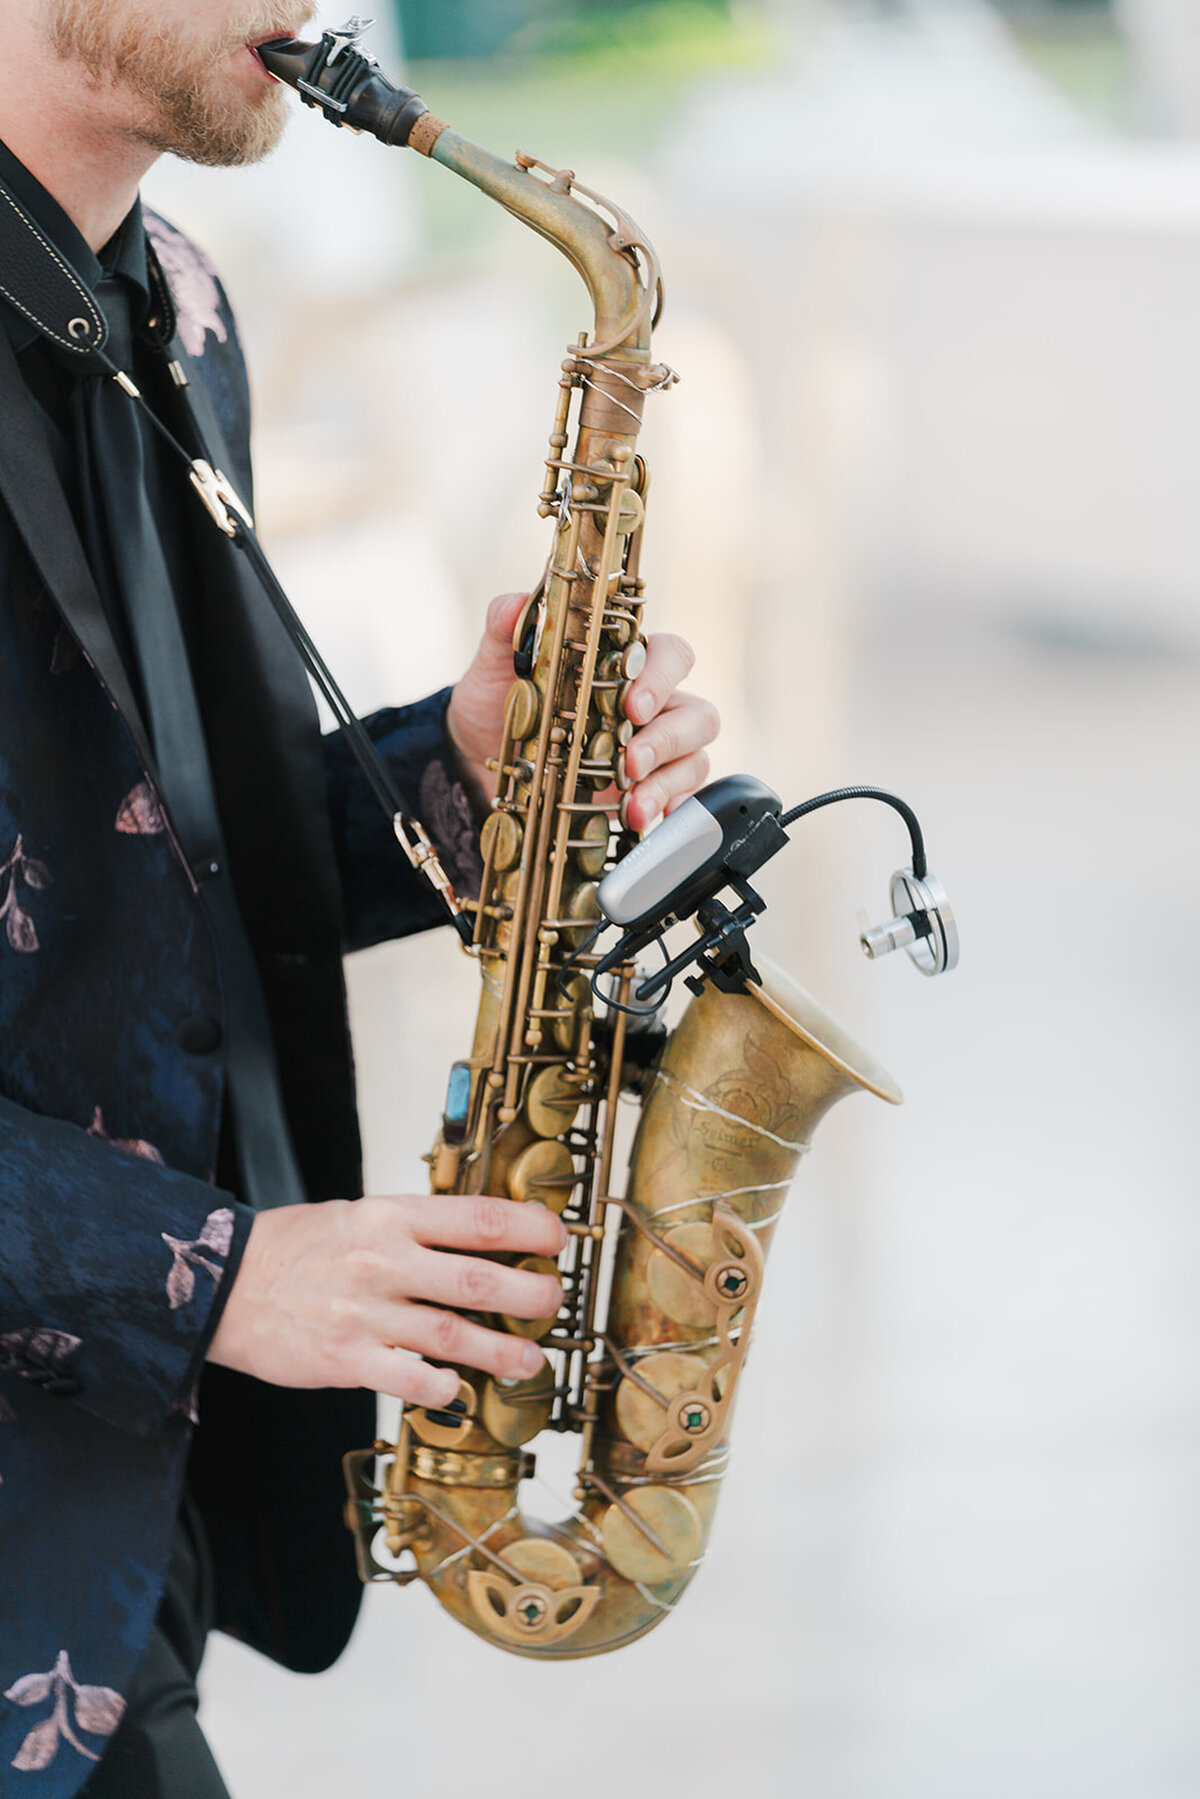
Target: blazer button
[{"x": 198, "y": 1036}]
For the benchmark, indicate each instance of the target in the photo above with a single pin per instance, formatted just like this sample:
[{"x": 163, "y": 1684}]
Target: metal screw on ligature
[{"x": 923, "y": 925}]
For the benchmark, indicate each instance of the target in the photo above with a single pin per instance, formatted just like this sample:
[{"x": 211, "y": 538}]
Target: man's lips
[{"x": 277, "y": 37}]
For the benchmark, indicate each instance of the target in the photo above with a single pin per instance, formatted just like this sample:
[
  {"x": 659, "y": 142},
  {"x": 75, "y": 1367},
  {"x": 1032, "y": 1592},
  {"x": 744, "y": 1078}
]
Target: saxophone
[{"x": 661, "y": 1283}]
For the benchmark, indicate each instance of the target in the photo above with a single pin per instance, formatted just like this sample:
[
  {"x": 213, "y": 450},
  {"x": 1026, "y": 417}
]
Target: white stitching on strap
[{"x": 72, "y": 277}]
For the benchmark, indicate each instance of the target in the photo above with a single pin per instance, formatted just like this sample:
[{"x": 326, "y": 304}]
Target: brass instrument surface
[{"x": 648, "y": 1381}]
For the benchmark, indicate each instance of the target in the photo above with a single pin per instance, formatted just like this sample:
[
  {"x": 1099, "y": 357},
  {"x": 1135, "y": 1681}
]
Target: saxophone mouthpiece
[{"x": 344, "y": 83}]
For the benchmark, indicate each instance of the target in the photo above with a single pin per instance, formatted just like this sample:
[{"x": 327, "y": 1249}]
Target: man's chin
[{"x": 220, "y": 135}]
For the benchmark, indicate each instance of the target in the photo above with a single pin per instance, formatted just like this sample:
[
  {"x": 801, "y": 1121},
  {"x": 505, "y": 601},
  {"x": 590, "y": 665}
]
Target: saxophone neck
[
  {"x": 612, "y": 255},
  {"x": 614, "y": 258}
]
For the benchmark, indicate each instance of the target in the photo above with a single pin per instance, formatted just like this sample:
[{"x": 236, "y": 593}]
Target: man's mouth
[{"x": 276, "y": 37}]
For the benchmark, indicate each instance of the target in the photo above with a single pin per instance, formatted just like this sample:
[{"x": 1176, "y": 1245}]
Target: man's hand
[
  {"x": 666, "y": 758},
  {"x": 327, "y": 1293}
]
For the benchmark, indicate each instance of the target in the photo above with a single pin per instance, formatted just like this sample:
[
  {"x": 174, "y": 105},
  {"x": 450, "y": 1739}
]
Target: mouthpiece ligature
[{"x": 345, "y": 83}]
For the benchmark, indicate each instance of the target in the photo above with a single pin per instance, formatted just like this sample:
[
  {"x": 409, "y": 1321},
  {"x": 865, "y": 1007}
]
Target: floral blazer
[{"x": 116, "y": 1245}]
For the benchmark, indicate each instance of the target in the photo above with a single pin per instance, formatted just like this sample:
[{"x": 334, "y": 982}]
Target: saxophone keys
[
  {"x": 551, "y": 1101},
  {"x": 607, "y": 685},
  {"x": 544, "y": 1606},
  {"x": 591, "y": 848},
  {"x": 523, "y": 707},
  {"x": 501, "y": 840},
  {"x": 683, "y": 1296},
  {"x": 642, "y": 1415},
  {"x": 653, "y": 1536},
  {"x": 633, "y": 659},
  {"x": 516, "y": 1414},
  {"x": 601, "y": 752},
  {"x": 444, "y": 1428},
  {"x": 545, "y": 1173},
  {"x": 583, "y": 911}
]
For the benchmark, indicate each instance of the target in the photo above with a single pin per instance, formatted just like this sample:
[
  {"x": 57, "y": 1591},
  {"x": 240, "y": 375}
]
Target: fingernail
[
  {"x": 532, "y": 1358},
  {"x": 640, "y": 707}
]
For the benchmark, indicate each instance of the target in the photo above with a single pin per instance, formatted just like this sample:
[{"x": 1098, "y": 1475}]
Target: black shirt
[{"x": 118, "y": 274}]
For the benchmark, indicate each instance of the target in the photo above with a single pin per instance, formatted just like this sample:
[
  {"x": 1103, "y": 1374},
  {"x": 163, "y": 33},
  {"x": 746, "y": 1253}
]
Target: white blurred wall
[{"x": 1165, "y": 38}]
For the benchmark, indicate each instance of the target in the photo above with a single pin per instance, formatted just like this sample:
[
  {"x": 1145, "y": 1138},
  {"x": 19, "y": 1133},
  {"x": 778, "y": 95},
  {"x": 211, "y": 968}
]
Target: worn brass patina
[{"x": 649, "y": 1383}]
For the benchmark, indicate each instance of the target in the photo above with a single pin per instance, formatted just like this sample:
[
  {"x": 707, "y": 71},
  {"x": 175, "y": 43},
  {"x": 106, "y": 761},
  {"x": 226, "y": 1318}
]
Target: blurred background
[{"x": 926, "y": 504}]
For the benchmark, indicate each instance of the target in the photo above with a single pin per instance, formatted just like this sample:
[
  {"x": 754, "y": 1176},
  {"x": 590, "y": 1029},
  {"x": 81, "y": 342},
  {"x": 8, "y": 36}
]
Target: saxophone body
[{"x": 663, "y": 1271}]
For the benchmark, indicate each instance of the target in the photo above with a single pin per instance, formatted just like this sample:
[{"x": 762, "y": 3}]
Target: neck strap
[{"x": 37, "y": 279}]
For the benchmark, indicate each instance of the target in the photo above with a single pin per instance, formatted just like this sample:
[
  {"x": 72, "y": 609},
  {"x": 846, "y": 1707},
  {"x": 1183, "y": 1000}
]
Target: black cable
[
  {"x": 631, "y": 1010},
  {"x": 906, "y": 812}
]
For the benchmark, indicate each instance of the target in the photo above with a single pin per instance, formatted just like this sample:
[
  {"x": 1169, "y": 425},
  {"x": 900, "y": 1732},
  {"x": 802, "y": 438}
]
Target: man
[{"x": 183, "y": 861}]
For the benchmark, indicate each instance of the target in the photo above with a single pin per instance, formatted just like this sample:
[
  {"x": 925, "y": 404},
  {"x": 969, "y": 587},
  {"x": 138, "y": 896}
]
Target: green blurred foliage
[
  {"x": 591, "y": 92},
  {"x": 452, "y": 29}
]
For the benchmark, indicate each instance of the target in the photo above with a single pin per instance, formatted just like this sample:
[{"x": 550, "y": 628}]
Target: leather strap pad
[{"x": 42, "y": 286}]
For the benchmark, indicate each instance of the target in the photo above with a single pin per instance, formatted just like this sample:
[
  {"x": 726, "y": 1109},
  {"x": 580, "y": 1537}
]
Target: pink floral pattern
[
  {"x": 39, "y": 1348},
  {"x": 139, "y": 814},
  {"x": 187, "y": 1256},
  {"x": 137, "y": 1146},
  {"x": 446, "y": 811},
  {"x": 17, "y": 921},
  {"x": 193, "y": 284},
  {"x": 97, "y": 1710}
]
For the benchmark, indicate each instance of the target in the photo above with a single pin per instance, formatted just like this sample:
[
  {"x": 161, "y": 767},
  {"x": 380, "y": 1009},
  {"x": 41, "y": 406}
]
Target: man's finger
[
  {"x": 453, "y": 1339},
  {"x": 456, "y": 1221},
  {"x": 502, "y": 615},
  {"x": 478, "y": 1286},
  {"x": 406, "y": 1377},
  {"x": 651, "y": 797},
  {"x": 686, "y": 723},
  {"x": 669, "y": 660}
]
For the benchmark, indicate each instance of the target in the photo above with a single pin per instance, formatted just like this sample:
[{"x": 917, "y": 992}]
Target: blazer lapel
[{"x": 30, "y": 488}]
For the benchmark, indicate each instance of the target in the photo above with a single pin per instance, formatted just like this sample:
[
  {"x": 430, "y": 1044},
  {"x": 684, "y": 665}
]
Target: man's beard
[{"x": 184, "y": 110}]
